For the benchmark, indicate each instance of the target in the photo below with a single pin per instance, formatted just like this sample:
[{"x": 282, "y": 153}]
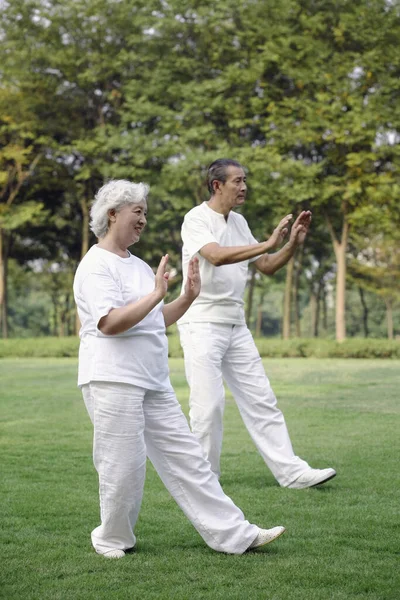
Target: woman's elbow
[{"x": 106, "y": 328}]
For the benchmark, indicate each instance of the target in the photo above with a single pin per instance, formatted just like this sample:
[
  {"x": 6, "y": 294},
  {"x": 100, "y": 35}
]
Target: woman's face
[{"x": 129, "y": 223}]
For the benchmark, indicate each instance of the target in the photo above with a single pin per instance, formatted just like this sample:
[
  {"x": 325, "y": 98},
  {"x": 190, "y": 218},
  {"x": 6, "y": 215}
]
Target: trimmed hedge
[
  {"x": 323, "y": 348},
  {"x": 41, "y": 347},
  {"x": 46, "y": 347}
]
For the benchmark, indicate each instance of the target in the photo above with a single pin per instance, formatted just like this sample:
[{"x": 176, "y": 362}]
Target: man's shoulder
[
  {"x": 197, "y": 216},
  {"x": 196, "y": 211}
]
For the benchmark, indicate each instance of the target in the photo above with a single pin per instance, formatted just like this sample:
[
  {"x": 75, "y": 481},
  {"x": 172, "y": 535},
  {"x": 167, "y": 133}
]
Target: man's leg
[
  {"x": 119, "y": 456},
  {"x": 180, "y": 463},
  {"x": 204, "y": 345},
  {"x": 245, "y": 376}
]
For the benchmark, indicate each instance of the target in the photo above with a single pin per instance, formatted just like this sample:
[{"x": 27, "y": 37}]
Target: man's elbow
[
  {"x": 269, "y": 270},
  {"x": 215, "y": 258}
]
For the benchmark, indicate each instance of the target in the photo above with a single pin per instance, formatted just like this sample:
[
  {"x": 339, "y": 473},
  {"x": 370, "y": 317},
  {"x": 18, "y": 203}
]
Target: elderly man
[{"x": 217, "y": 344}]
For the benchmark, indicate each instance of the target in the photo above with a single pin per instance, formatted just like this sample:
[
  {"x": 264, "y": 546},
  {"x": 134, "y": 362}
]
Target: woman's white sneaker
[
  {"x": 265, "y": 536},
  {"x": 114, "y": 553}
]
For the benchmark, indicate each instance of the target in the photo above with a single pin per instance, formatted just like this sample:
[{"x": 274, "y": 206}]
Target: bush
[
  {"x": 41, "y": 347},
  {"x": 323, "y": 348},
  {"x": 45, "y": 347}
]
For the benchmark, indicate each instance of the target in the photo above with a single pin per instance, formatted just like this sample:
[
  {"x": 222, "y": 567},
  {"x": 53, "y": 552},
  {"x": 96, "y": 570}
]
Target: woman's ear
[{"x": 111, "y": 214}]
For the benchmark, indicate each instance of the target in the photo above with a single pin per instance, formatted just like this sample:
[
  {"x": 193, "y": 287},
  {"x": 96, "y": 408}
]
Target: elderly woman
[{"x": 123, "y": 373}]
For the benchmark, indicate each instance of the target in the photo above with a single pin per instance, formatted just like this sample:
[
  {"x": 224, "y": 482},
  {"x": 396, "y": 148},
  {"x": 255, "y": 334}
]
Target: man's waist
[{"x": 216, "y": 312}]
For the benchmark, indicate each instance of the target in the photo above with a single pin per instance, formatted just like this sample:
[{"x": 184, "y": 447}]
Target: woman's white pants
[
  {"x": 216, "y": 352},
  {"x": 131, "y": 422}
]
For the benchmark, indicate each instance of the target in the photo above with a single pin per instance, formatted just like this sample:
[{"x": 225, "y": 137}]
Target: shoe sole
[
  {"x": 269, "y": 541},
  {"x": 324, "y": 480}
]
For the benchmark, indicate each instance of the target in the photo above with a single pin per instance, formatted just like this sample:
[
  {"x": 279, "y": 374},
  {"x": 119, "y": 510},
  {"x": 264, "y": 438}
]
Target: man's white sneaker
[
  {"x": 312, "y": 477},
  {"x": 114, "y": 553},
  {"x": 265, "y": 536}
]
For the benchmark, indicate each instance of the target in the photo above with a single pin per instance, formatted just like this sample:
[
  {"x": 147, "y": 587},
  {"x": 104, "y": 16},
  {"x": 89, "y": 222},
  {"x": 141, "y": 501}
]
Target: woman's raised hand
[
  {"x": 193, "y": 282},
  {"x": 161, "y": 282}
]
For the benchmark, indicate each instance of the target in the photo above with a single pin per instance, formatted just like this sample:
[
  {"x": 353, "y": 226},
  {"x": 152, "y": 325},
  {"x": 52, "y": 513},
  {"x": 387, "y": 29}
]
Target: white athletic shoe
[
  {"x": 265, "y": 536},
  {"x": 312, "y": 477},
  {"x": 114, "y": 553}
]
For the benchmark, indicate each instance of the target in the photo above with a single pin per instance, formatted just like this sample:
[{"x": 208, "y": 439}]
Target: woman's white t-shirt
[{"x": 139, "y": 356}]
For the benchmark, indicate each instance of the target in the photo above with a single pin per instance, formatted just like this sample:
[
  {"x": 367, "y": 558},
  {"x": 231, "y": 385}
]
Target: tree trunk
[
  {"x": 324, "y": 310},
  {"x": 340, "y": 319},
  {"x": 259, "y": 316},
  {"x": 365, "y": 312},
  {"x": 85, "y": 226},
  {"x": 3, "y": 283},
  {"x": 315, "y": 301},
  {"x": 389, "y": 317},
  {"x": 249, "y": 307},
  {"x": 287, "y": 301},
  {"x": 1, "y": 278},
  {"x": 85, "y": 244},
  {"x": 340, "y": 248},
  {"x": 299, "y": 265}
]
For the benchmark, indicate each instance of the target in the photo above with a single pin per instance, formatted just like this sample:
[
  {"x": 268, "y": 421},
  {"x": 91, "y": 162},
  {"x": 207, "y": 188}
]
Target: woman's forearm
[
  {"x": 123, "y": 318},
  {"x": 175, "y": 310}
]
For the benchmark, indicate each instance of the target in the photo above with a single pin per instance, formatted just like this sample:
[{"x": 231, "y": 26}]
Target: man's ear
[{"x": 216, "y": 184}]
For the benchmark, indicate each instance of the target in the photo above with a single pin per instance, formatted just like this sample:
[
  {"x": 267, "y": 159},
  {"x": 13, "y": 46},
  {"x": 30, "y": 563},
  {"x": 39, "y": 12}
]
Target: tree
[{"x": 21, "y": 149}]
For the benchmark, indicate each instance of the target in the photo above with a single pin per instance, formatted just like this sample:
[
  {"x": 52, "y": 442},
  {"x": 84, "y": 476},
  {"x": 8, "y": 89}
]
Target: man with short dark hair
[{"x": 216, "y": 342}]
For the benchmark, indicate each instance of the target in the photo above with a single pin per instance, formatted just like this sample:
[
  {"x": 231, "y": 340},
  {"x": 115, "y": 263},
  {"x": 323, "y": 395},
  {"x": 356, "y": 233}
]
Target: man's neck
[{"x": 218, "y": 205}]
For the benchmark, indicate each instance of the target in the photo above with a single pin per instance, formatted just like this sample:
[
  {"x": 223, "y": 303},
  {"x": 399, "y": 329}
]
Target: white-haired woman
[{"x": 123, "y": 373}]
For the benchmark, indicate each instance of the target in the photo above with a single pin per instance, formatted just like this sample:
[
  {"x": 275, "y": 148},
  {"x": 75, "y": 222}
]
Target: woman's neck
[{"x": 113, "y": 246}]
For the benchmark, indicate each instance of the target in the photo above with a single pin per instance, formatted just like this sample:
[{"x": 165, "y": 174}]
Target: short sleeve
[
  {"x": 101, "y": 293},
  {"x": 196, "y": 233}
]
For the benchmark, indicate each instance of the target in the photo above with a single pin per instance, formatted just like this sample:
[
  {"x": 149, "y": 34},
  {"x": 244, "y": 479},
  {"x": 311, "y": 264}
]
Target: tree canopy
[{"x": 305, "y": 94}]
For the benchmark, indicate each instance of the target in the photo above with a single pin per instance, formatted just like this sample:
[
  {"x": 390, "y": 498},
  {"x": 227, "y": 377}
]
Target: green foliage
[
  {"x": 43, "y": 347},
  {"x": 319, "y": 348},
  {"x": 305, "y": 94},
  {"x": 46, "y": 347}
]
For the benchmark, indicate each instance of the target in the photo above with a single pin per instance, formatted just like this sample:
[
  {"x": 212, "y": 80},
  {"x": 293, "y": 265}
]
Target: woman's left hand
[{"x": 193, "y": 281}]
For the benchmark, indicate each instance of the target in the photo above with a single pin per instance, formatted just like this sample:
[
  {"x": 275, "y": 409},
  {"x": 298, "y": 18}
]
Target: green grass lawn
[{"x": 342, "y": 539}]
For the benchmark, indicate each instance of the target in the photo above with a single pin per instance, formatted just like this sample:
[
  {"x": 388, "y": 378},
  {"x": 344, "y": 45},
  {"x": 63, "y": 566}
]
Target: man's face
[{"x": 234, "y": 189}]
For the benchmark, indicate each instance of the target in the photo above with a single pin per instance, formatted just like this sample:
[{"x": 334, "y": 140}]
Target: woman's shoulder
[{"x": 94, "y": 260}]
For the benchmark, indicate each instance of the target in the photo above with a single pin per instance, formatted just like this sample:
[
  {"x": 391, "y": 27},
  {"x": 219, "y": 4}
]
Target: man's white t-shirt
[
  {"x": 139, "y": 356},
  {"x": 222, "y": 288}
]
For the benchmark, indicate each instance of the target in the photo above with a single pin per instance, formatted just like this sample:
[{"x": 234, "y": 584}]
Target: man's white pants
[
  {"x": 130, "y": 422},
  {"x": 216, "y": 352}
]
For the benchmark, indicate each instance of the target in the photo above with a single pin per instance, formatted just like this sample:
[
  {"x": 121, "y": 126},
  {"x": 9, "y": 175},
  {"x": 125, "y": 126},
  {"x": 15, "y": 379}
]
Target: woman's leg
[
  {"x": 119, "y": 455},
  {"x": 180, "y": 463}
]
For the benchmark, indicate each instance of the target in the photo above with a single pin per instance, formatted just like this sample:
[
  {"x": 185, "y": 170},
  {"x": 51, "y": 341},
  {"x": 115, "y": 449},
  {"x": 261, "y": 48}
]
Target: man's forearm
[
  {"x": 228, "y": 255},
  {"x": 271, "y": 263}
]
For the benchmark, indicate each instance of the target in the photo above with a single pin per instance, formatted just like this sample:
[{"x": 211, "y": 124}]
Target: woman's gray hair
[{"x": 114, "y": 195}]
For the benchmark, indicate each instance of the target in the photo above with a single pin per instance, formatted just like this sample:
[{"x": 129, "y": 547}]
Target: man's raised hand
[
  {"x": 279, "y": 233},
  {"x": 300, "y": 227}
]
